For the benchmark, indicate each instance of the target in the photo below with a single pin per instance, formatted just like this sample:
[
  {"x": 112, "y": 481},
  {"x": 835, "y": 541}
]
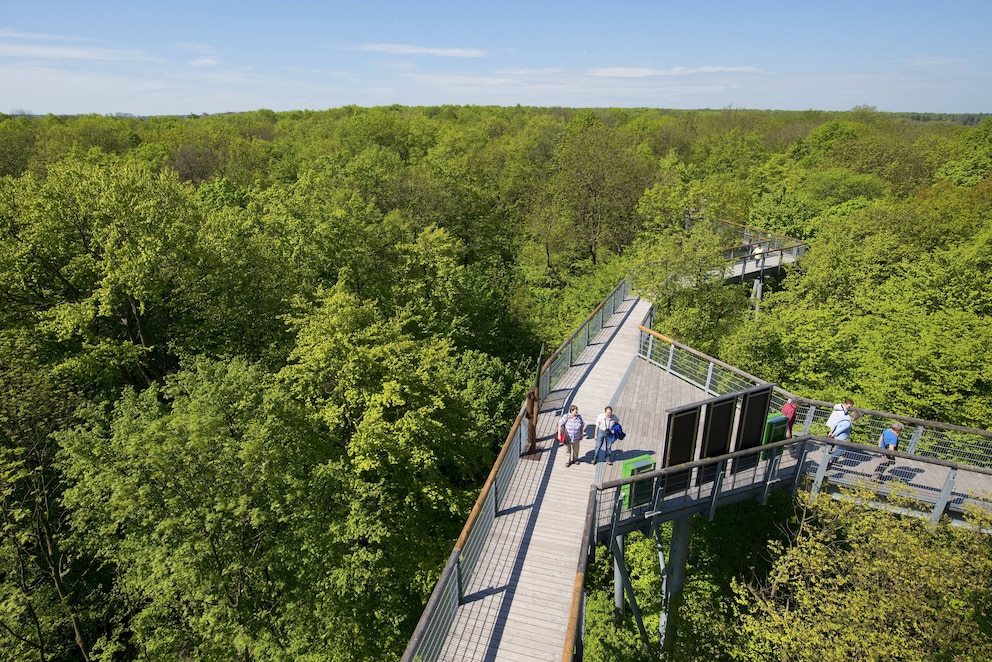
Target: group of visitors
[
  {"x": 571, "y": 429},
  {"x": 841, "y": 423}
]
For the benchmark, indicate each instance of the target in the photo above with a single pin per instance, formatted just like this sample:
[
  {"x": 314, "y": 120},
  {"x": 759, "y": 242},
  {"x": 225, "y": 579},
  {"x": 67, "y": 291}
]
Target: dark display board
[
  {"x": 718, "y": 430},
  {"x": 683, "y": 428}
]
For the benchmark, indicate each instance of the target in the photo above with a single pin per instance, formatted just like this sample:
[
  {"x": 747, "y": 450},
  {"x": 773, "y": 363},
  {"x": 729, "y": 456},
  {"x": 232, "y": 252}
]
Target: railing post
[
  {"x": 914, "y": 441},
  {"x": 821, "y": 471},
  {"x": 709, "y": 379},
  {"x": 945, "y": 495},
  {"x": 458, "y": 579},
  {"x": 671, "y": 357},
  {"x": 717, "y": 486},
  {"x": 801, "y": 460},
  {"x": 808, "y": 420},
  {"x": 769, "y": 474}
]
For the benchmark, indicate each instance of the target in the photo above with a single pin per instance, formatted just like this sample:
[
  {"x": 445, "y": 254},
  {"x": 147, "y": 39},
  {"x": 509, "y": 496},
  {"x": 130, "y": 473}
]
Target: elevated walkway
[
  {"x": 516, "y": 603},
  {"x": 513, "y": 585}
]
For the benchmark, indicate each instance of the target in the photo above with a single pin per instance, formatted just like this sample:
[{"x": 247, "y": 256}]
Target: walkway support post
[
  {"x": 618, "y": 602},
  {"x": 673, "y": 575},
  {"x": 621, "y": 568}
]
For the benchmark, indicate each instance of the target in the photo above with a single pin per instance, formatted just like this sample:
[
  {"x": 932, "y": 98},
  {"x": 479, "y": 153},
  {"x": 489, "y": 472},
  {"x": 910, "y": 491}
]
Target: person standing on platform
[
  {"x": 840, "y": 409},
  {"x": 789, "y": 411},
  {"x": 572, "y": 425},
  {"x": 604, "y": 434},
  {"x": 842, "y": 431},
  {"x": 888, "y": 440}
]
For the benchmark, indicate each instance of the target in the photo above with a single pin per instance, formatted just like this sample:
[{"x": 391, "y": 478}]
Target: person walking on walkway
[
  {"x": 789, "y": 411},
  {"x": 888, "y": 440},
  {"x": 842, "y": 431},
  {"x": 604, "y": 434},
  {"x": 840, "y": 409},
  {"x": 572, "y": 426}
]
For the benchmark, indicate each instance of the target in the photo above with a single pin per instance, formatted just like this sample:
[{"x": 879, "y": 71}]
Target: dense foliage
[{"x": 255, "y": 367}]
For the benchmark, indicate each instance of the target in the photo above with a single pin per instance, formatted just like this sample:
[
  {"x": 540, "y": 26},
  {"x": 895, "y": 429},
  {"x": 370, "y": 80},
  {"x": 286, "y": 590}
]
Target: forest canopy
[{"x": 255, "y": 367}]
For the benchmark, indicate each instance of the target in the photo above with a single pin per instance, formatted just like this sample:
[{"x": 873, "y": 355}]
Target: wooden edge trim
[
  {"x": 488, "y": 485},
  {"x": 568, "y": 655},
  {"x": 712, "y": 360}
]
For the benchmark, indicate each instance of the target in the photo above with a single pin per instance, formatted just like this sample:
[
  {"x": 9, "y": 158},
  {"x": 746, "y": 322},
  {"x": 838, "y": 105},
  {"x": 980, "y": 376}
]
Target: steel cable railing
[
  {"x": 925, "y": 438},
  {"x": 430, "y": 634},
  {"x": 564, "y": 357}
]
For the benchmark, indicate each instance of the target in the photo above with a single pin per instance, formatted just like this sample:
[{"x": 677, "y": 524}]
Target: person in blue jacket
[{"x": 604, "y": 435}]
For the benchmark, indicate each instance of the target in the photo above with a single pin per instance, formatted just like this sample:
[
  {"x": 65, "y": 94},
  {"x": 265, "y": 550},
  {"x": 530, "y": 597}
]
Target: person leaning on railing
[{"x": 888, "y": 440}]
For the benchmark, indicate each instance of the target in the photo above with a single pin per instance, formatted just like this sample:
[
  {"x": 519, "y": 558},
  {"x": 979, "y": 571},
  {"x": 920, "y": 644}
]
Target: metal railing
[
  {"x": 430, "y": 634},
  {"x": 753, "y": 239},
  {"x": 925, "y": 438},
  {"x": 761, "y": 250},
  {"x": 924, "y": 487},
  {"x": 703, "y": 485},
  {"x": 565, "y": 356}
]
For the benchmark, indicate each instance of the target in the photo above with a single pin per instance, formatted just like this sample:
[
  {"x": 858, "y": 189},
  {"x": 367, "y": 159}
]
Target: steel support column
[
  {"x": 618, "y": 603},
  {"x": 672, "y": 573}
]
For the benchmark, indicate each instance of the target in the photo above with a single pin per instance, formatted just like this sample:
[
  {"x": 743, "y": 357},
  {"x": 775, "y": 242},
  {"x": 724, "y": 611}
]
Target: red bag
[{"x": 561, "y": 435}]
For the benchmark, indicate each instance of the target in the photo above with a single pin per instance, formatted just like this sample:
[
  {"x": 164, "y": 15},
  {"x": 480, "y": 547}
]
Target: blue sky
[{"x": 182, "y": 57}]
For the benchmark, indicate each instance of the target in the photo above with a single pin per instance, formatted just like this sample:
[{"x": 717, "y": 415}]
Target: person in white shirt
[
  {"x": 604, "y": 437},
  {"x": 840, "y": 409}
]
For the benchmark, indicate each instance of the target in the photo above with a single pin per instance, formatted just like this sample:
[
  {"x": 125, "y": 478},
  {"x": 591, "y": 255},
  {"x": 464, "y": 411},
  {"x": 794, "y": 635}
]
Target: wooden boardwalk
[{"x": 517, "y": 602}]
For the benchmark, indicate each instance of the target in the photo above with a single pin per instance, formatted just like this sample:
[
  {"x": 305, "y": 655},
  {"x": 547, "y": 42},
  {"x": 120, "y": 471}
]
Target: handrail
[
  {"x": 774, "y": 446},
  {"x": 768, "y": 232},
  {"x": 555, "y": 354},
  {"x": 969, "y": 446},
  {"x": 488, "y": 485},
  {"x": 562, "y": 358},
  {"x": 896, "y": 417},
  {"x": 453, "y": 579},
  {"x": 575, "y": 611},
  {"x": 451, "y": 573},
  {"x": 708, "y": 492},
  {"x": 726, "y": 366}
]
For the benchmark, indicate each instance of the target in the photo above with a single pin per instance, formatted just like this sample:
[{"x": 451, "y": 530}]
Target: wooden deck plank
[{"x": 518, "y": 599}]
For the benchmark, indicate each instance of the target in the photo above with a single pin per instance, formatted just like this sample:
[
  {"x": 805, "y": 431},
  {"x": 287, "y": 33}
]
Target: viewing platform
[{"x": 513, "y": 585}]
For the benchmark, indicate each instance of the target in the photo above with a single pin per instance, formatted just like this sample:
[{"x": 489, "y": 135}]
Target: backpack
[{"x": 835, "y": 416}]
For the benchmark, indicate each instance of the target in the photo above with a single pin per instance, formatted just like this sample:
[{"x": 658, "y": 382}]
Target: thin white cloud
[
  {"x": 205, "y": 62},
  {"x": 406, "y": 49},
  {"x": 529, "y": 72},
  {"x": 191, "y": 47},
  {"x": 933, "y": 61},
  {"x": 14, "y": 34},
  {"x": 11, "y": 34},
  {"x": 69, "y": 53},
  {"x": 644, "y": 72}
]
